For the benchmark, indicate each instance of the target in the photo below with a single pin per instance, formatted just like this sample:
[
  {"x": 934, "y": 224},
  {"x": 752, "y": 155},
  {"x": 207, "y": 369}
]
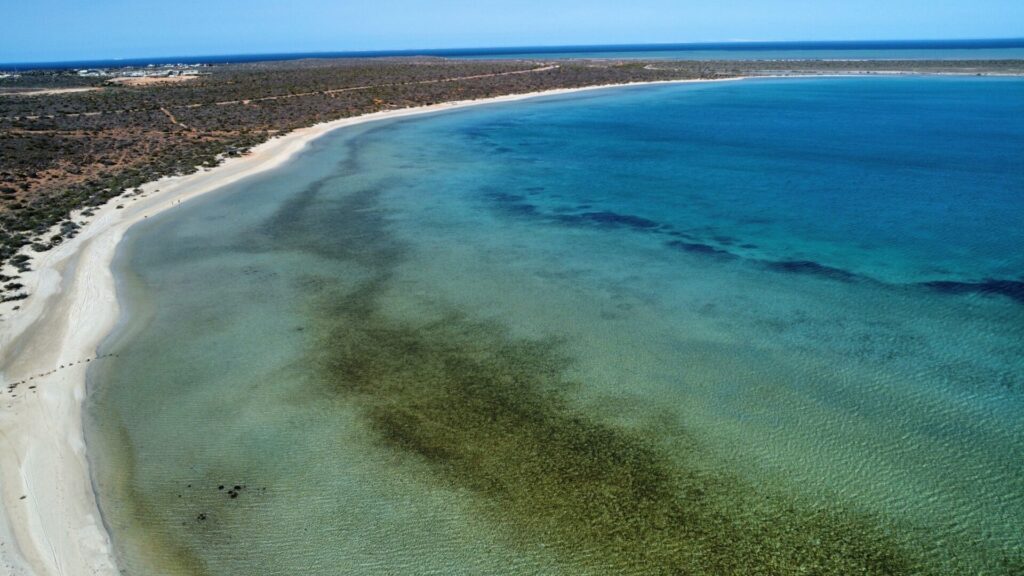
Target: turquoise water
[{"x": 770, "y": 326}]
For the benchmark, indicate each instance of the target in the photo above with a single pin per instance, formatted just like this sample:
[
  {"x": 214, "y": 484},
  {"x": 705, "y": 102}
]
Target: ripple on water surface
[{"x": 756, "y": 328}]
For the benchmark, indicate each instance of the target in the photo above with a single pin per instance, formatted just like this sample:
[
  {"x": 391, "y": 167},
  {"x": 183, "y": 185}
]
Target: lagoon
[{"x": 766, "y": 325}]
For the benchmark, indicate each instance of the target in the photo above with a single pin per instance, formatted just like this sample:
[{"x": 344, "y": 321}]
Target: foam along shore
[{"x": 49, "y": 520}]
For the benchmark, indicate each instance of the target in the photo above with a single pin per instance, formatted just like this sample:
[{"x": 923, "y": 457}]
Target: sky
[{"x": 52, "y": 30}]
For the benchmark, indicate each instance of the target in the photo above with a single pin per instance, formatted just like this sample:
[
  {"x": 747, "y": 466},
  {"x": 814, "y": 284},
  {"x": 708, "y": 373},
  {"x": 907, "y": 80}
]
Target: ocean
[
  {"x": 981, "y": 49},
  {"x": 764, "y": 326}
]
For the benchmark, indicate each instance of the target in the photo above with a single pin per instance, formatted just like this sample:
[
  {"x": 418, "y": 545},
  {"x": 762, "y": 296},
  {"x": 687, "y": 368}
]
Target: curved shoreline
[
  {"x": 50, "y": 522},
  {"x": 49, "y": 518}
]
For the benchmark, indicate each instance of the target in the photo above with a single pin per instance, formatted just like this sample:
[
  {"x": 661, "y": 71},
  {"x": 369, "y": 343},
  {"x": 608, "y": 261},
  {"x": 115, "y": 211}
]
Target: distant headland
[{"x": 992, "y": 48}]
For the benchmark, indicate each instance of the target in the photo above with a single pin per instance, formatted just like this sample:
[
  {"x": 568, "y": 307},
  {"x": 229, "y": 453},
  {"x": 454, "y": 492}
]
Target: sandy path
[
  {"x": 50, "y": 91},
  {"x": 49, "y": 521},
  {"x": 263, "y": 98}
]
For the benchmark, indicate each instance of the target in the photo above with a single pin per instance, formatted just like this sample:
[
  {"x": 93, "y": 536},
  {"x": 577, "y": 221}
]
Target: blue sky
[{"x": 46, "y": 30}]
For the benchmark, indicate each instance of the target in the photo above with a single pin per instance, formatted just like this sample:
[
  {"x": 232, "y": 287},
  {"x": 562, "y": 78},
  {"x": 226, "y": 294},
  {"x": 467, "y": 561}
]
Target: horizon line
[{"x": 924, "y": 43}]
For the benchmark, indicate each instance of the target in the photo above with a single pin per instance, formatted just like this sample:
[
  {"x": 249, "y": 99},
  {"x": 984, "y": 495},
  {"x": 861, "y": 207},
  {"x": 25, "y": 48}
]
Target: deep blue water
[
  {"x": 904, "y": 181},
  {"x": 983, "y": 49},
  {"x": 634, "y": 330}
]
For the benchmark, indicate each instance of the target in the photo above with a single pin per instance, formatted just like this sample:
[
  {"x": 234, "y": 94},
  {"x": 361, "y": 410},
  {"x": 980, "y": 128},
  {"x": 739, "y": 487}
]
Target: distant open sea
[
  {"x": 992, "y": 49},
  {"x": 767, "y": 326}
]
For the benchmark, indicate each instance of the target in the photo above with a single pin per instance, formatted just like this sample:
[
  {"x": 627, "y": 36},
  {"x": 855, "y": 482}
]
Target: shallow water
[{"x": 747, "y": 327}]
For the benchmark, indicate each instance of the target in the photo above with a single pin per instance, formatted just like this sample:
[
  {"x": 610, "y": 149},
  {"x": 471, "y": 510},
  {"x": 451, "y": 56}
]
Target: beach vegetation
[{"x": 64, "y": 151}]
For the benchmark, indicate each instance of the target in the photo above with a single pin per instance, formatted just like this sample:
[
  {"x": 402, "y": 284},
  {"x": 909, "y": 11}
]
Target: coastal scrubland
[{"x": 70, "y": 143}]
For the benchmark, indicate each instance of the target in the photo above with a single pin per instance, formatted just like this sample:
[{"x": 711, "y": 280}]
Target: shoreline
[{"x": 50, "y": 522}]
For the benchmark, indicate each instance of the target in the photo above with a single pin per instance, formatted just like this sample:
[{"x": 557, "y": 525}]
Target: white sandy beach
[{"x": 49, "y": 520}]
